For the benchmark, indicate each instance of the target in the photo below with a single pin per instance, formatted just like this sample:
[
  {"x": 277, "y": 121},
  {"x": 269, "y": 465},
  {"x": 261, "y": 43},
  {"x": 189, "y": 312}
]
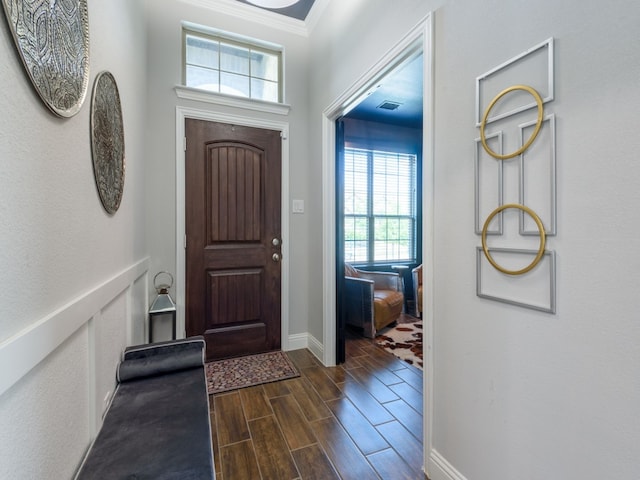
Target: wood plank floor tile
[
  {"x": 322, "y": 383},
  {"x": 336, "y": 374},
  {"x": 239, "y": 461},
  {"x": 411, "y": 375},
  {"x": 287, "y": 429},
  {"x": 364, "y": 402},
  {"x": 255, "y": 402},
  {"x": 409, "y": 394},
  {"x": 363, "y": 434},
  {"x": 232, "y": 424},
  {"x": 381, "y": 359},
  {"x": 295, "y": 427},
  {"x": 348, "y": 460},
  {"x": 314, "y": 464},
  {"x": 350, "y": 363},
  {"x": 273, "y": 456},
  {"x": 371, "y": 384},
  {"x": 308, "y": 399},
  {"x": 386, "y": 376},
  {"x": 389, "y": 465},
  {"x": 403, "y": 442},
  {"x": 276, "y": 389},
  {"x": 354, "y": 349},
  {"x": 407, "y": 416},
  {"x": 303, "y": 358},
  {"x": 215, "y": 446}
]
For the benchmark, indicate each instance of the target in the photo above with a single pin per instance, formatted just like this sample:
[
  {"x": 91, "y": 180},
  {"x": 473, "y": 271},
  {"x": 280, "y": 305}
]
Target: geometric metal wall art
[
  {"x": 541, "y": 246},
  {"x": 536, "y": 290},
  {"x": 513, "y": 125},
  {"x": 535, "y": 66},
  {"x": 107, "y": 141},
  {"x": 537, "y": 177},
  {"x": 52, "y": 38}
]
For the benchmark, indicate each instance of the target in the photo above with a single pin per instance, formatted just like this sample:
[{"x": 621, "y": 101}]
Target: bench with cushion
[{"x": 157, "y": 426}]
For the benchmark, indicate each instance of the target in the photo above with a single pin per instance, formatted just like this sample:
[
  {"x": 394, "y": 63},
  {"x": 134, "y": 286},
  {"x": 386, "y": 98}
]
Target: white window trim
[
  {"x": 205, "y": 96},
  {"x": 225, "y": 99}
]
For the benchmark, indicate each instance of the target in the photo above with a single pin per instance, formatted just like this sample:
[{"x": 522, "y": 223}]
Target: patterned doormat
[
  {"x": 404, "y": 341},
  {"x": 241, "y": 372}
]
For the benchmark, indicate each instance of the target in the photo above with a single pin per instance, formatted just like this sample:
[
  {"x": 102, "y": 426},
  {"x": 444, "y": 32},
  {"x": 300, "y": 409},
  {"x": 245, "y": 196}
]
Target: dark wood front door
[{"x": 233, "y": 244}]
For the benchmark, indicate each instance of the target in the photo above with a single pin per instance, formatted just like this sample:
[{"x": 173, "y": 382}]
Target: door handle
[
  {"x": 275, "y": 257},
  {"x": 275, "y": 242}
]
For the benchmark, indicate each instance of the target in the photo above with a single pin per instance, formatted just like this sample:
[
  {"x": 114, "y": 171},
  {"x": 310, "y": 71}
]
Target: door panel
[{"x": 233, "y": 192}]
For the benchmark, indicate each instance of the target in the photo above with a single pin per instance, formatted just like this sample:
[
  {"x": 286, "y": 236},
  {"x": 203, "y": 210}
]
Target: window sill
[{"x": 189, "y": 93}]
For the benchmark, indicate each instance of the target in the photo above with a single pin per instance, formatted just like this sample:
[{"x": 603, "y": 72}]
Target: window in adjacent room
[
  {"x": 234, "y": 66},
  {"x": 380, "y": 206}
]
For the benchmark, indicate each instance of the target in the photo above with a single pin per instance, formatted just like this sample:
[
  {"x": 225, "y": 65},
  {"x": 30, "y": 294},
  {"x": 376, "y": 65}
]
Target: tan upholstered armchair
[
  {"x": 416, "y": 275},
  {"x": 373, "y": 299}
]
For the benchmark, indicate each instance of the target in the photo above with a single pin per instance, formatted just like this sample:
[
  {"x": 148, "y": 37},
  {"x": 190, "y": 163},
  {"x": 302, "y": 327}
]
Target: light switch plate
[{"x": 298, "y": 206}]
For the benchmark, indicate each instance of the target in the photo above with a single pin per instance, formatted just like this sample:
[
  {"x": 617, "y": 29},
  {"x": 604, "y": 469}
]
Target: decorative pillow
[{"x": 349, "y": 271}]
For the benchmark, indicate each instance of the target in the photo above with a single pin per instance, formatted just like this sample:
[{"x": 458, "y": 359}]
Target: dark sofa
[{"x": 157, "y": 426}]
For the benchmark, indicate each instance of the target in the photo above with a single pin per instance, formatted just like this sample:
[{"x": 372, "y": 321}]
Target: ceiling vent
[{"x": 388, "y": 105}]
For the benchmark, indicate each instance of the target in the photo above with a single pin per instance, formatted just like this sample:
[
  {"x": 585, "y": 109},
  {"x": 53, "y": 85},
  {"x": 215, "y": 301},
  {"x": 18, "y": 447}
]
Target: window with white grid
[
  {"x": 379, "y": 206},
  {"x": 223, "y": 64}
]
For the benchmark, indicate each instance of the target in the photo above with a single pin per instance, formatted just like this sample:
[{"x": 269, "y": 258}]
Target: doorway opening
[
  {"x": 418, "y": 40},
  {"x": 378, "y": 204}
]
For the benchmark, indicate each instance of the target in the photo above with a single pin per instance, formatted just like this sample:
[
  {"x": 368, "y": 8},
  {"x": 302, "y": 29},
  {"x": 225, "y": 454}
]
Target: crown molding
[{"x": 315, "y": 13}]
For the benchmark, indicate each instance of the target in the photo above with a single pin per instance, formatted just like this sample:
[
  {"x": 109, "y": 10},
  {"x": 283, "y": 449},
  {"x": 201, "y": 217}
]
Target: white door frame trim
[
  {"x": 182, "y": 113},
  {"x": 420, "y": 37}
]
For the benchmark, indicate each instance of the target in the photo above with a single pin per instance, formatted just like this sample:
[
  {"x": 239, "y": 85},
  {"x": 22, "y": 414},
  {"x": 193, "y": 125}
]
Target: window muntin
[
  {"x": 380, "y": 206},
  {"x": 239, "y": 68}
]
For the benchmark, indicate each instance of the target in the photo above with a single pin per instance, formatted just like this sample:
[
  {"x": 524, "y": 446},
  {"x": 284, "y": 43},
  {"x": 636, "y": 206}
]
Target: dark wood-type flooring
[{"x": 360, "y": 420}]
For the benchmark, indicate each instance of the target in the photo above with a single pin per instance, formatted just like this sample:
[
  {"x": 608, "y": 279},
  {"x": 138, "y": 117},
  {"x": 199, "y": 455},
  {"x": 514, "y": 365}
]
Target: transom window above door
[{"x": 222, "y": 63}]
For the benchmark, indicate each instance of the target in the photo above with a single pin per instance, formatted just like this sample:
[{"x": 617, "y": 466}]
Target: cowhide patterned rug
[{"x": 404, "y": 341}]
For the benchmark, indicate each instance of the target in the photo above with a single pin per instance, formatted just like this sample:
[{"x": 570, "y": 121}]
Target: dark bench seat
[{"x": 157, "y": 426}]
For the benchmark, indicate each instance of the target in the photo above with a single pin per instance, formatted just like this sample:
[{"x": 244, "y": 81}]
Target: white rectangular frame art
[
  {"x": 548, "y": 45},
  {"x": 549, "y": 255},
  {"x": 550, "y": 221},
  {"x": 479, "y": 155}
]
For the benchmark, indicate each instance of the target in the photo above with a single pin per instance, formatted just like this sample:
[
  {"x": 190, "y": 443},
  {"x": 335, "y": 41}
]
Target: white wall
[
  {"x": 74, "y": 277},
  {"x": 164, "y": 70},
  {"x": 518, "y": 393}
]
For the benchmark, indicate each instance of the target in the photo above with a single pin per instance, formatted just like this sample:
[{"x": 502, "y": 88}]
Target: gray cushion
[{"x": 157, "y": 426}]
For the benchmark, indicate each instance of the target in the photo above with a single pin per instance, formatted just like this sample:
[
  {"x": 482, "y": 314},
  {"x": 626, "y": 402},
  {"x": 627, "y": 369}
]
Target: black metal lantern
[{"x": 163, "y": 308}]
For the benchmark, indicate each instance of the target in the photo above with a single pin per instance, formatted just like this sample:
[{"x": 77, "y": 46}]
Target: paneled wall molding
[{"x": 22, "y": 352}]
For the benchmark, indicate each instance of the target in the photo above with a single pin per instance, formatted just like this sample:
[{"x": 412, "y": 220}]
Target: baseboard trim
[
  {"x": 441, "y": 469},
  {"x": 306, "y": 340},
  {"x": 23, "y": 351},
  {"x": 298, "y": 341}
]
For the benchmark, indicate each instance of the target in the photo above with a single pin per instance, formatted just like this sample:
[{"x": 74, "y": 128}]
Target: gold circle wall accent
[
  {"x": 543, "y": 238},
  {"x": 533, "y": 136}
]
